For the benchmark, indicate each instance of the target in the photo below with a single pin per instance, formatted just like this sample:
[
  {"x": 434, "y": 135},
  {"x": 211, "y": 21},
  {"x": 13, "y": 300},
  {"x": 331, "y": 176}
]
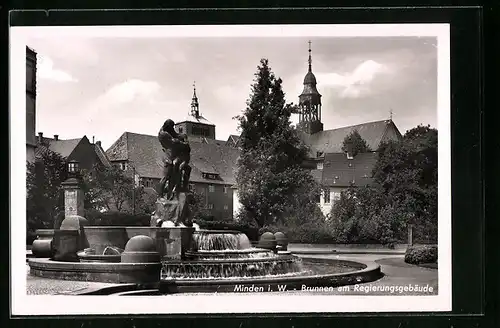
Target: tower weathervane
[{"x": 310, "y": 60}]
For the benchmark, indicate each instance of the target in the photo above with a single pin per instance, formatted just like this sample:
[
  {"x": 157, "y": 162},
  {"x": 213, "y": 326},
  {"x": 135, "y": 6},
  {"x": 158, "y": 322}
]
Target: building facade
[{"x": 30, "y": 103}]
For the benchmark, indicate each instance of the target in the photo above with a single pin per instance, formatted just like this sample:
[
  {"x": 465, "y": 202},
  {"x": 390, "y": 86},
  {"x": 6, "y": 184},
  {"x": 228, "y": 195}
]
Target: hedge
[{"x": 421, "y": 254}]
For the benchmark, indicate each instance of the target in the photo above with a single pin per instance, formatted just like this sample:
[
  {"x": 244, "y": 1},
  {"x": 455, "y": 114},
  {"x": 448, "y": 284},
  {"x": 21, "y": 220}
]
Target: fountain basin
[
  {"x": 344, "y": 272},
  {"x": 96, "y": 272}
]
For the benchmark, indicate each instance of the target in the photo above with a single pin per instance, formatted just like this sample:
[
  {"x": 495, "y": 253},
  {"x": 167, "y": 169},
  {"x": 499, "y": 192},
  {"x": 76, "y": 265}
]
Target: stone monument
[
  {"x": 174, "y": 197},
  {"x": 70, "y": 237}
]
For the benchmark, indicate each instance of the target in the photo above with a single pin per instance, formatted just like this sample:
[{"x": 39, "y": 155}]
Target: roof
[
  {"x": 330, "y": 141},
  {"x": 62, "y": 147},
  {"x": 340, "y": 171},
  {"x": 101, "y": 154},
  {"x": 199, "y": 119},
  {"x": 143, "y": 153}
]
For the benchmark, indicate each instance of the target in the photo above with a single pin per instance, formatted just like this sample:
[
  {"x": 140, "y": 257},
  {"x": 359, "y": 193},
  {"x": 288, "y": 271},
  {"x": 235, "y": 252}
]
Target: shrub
[
  {"x": 120, "y": 219},
  {"x": 421, "y": 254}
]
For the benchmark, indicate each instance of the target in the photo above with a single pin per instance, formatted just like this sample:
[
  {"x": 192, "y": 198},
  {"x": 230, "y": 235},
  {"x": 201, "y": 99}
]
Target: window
[
  {"x": 318, "y": 198},
  {"x": 327, "y": 196},
  {"x": 181, "y": 130},
  {"x": 225, "y": 189},
  {"x": 210, "y": 206},
  {"x": 226, "y": 207},
  {"x": 211, "y": 188},
  {"x": 336, "y": 196},
  {"x": 191, "y": 187},
  {"x": 123, "y": 166},
  {"x": 71, "y": 167},
  {"x": 319, "y": 165}
]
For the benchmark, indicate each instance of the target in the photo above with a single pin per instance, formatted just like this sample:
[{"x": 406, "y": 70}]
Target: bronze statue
[{"x": 176, "y": 157}]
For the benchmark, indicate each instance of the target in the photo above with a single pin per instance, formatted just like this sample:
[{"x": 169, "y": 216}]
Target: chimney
[
  {"x": 93, "y": 139},
  {"x": 56, "y": 137},
  {"x": 98, "y": 143},
  {"x": 40, "y": 137}
]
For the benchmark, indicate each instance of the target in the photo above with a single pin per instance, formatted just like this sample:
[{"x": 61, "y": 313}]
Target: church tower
[
  {"x": 310, "y": 103},
  {"x": 195, "y": 126}
]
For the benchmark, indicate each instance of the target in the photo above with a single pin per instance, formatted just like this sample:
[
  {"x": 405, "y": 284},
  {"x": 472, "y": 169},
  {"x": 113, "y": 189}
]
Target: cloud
[
  {"x": 129, "y": 90},
  {"x": 357, "y": 83},
  {"x": 46, "y": 70}
]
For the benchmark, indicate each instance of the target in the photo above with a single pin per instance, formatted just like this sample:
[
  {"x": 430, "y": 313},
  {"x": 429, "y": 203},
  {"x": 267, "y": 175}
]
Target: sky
[{"x": 103, "y": 87}]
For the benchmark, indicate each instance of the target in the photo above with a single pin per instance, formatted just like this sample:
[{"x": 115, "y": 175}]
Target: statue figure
[
  {"x": 174, "y": 198},
  {"x": 176, "y": 157},
  {"x": 182, "y": 156}
]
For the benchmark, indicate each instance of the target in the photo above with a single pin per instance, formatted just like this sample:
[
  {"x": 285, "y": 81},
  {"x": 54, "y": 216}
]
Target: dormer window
[
  {"x": 319, "y": 154},
  {"x": 210, "y": 176}
]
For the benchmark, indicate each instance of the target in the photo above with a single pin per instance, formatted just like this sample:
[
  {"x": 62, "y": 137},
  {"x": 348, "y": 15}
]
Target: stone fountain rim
[{"x": 371, "y": 269}]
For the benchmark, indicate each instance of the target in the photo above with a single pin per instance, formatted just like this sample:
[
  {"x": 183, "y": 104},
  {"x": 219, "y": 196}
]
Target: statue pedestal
[
  {"x": 178, "y": 243},
  {"x": 175, "y": 210}
]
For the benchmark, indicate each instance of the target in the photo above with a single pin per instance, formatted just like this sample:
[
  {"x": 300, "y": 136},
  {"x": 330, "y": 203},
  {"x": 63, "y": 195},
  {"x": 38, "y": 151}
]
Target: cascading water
[{"x": 228, "y": 255}]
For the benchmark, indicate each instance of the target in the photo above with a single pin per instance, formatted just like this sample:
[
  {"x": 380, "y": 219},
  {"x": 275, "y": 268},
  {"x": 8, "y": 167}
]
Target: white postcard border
[{"x": 23, "y": 304}]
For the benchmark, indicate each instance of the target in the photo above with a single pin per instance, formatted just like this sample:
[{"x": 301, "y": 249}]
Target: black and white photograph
[{"x": 230, "y": 169}]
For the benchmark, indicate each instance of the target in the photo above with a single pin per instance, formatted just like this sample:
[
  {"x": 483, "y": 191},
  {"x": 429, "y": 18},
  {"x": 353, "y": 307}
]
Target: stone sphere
[
  {"x": 140, "y": 244},
  {"x": 167, "y": 224},
  {"x": 279, "y": 235},
  {"x": 267, "y": 236},
  {"x": 267, "y": 241},
  {"x": 281, "y": 240}
]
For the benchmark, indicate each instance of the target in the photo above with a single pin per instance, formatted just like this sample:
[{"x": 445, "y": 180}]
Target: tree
[
  {"x": 45, "y": 196},
  {"x": 271, "y": 181},
  {"x": 404, "y": 192},
  {"x": 110, "y": 187},
  {"x": 407, "y": 171},
  {"x": 353, "y": 143}
]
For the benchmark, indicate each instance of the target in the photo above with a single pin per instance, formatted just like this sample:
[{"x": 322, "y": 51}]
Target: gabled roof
[
  {"x": 62, "y": 147},
  {"x": 330, "y": 141},
  {"x": 340, "y": 171},
  {"x": 143, "y": 152}
]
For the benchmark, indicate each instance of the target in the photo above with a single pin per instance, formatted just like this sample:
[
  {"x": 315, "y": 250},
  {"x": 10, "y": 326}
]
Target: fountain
[{"x": 171, "y": 256}]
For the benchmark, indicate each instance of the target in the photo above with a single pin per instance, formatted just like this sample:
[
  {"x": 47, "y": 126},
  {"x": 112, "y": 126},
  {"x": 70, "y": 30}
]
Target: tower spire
[
  {"x": 310, "y": 60},
  {"x": 195, "y": 110}
]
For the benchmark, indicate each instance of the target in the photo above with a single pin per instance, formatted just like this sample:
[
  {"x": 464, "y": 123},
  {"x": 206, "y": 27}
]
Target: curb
[{"x": 325, "y": 252}]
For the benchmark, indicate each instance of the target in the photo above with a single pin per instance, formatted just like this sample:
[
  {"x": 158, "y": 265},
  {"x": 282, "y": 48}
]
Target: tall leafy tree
[
  {"x": 45, "y": 196},
  {"x": 405, "y": 191},
  {"x": 270, "y": 175},
  {"x": 355, "y": 144},
  {"x": 408, "y": 172}
]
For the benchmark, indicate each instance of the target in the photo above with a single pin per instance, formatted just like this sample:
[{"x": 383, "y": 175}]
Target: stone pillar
[
  {"x": 70, "y": 238},
  {"x": 410, "y": 235},
  {"x": 73, "y": 198}
]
